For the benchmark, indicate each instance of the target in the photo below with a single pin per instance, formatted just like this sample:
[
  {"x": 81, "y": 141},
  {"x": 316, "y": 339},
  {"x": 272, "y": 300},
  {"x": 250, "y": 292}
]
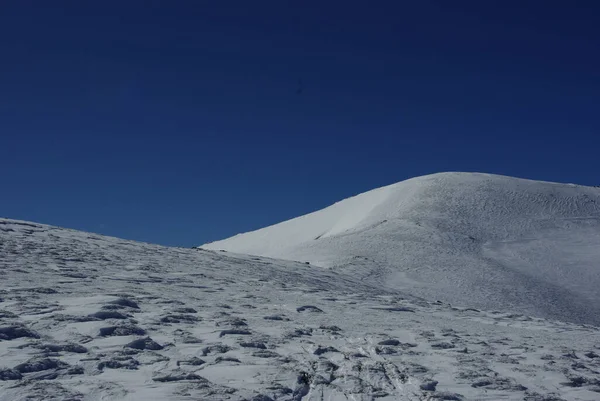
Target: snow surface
[
  {"x": 87, "y": 317},
  {"x": 479, "y": 240}
]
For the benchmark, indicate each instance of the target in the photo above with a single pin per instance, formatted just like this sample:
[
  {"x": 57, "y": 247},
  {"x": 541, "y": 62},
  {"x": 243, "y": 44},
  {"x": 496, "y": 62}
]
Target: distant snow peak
[{"x": 474, "y": 239}]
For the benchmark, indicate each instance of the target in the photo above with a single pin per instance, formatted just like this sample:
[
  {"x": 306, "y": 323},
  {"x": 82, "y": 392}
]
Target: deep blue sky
[{"x": 178, "y": 122}]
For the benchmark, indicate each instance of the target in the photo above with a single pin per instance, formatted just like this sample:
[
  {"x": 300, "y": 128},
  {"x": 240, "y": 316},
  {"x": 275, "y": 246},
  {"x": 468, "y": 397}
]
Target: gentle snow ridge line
[{"x": 474, "y": 239}]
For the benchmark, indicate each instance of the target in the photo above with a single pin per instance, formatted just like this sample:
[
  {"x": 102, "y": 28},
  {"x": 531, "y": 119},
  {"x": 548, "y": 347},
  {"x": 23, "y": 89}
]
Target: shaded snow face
[
  {"x": 86, "y": 317},
  {"x": 478, "y": 240}
]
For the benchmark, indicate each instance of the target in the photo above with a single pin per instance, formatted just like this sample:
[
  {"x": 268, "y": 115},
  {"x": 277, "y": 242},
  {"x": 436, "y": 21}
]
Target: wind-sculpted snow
[
  {"x": 86, "y": 317},
  {"x": 477, "y": 240}
]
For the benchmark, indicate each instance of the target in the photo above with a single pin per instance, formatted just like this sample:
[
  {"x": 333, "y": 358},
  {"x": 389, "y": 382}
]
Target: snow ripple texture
[{"x": 87, "y": 317}]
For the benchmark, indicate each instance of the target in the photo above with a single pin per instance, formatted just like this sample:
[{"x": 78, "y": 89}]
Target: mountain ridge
[{"x": 477, "y": 239}]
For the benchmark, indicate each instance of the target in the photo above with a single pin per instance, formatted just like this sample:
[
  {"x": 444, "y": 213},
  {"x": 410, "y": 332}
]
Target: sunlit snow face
[{"x": 85, "y": 314}]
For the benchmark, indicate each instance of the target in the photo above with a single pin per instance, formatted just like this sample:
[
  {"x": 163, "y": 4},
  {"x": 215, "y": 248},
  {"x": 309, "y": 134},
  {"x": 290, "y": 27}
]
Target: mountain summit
[{"x": 478, "y": 240}]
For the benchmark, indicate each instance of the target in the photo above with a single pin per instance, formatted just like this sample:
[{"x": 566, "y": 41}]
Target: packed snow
[
  {"x": 86, "y": 317},
  {"x": 477, "y": 240}
]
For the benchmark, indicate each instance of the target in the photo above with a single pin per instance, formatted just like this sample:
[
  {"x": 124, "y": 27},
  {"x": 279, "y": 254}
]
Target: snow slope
[
  {"x": 473, "y": 239},
  {"x": 86, "y": 317}
]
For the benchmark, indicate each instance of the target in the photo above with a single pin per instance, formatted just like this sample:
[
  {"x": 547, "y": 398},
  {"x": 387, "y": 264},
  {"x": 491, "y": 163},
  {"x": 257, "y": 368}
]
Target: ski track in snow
[{"x": 87, "y": 317}]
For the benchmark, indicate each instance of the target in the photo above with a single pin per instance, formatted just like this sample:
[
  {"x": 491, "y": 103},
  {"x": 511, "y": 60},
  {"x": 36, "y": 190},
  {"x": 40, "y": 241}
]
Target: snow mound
[{"x": 473, "y": 239}]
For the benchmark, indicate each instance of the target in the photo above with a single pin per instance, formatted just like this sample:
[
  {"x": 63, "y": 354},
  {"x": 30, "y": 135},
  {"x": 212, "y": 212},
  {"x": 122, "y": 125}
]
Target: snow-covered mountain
[
  {"x": 477, "y": 240},
  {"x": 85, "y": 317}
]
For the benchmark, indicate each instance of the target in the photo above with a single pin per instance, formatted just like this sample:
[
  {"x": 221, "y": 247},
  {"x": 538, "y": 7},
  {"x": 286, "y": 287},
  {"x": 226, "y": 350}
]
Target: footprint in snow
[
  {"x": 429, "y": 385},
  {"x": 234, "y": 332},
  {"x": 499, "y": 383},
  {"x": 185, "y": 310},
  {"x": 221, "y": 359},
  {"x": 277, "y": 317},
  {"x": 7, "y": 315},
  {"x": 396, "y": 309},
  {"x": 416, "y": 369},
  {"x": 194, "y": 361},
  {"x": 235, "y": 322},
  {"x": 322, "y": 350},
  {"x": 189, "y": 339},
  {"x": 143, "y": 344},
  {"x": 128, "y": 363},
  {"x": 40, "y": 290},
  {"x": 125, "y": 330},
  {"x": 107, "y": 314},
  {"x": 125, "y": 302},
  {"x": 178, "y": 377},
  {"x": 503, "y": 358},
  {"x": 14, "y": 332},
  {"x": 309, "y": 308},
  {"x": 443, "y": 345},
  {"x": 180, "y": 318},
  {"x": 216, "y": 349},
  {"x": 447, "y": 396},
  {"x": 253, "y": 345},
  {"x": 56, "y": 348},
  {"x": 391, "y": 342},
  {"x": 40, "y": 364},
  {"x": 10, "y": 374},
  {"x": 386, "y": 350},
  {"x": 265, "y": 354},
  {"x": 330, "y": 329},
  {"x": 300, "y": 332}
]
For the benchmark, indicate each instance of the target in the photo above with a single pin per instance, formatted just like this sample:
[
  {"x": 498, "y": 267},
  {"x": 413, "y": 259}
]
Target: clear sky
[{"x": 181, "y": 122}]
